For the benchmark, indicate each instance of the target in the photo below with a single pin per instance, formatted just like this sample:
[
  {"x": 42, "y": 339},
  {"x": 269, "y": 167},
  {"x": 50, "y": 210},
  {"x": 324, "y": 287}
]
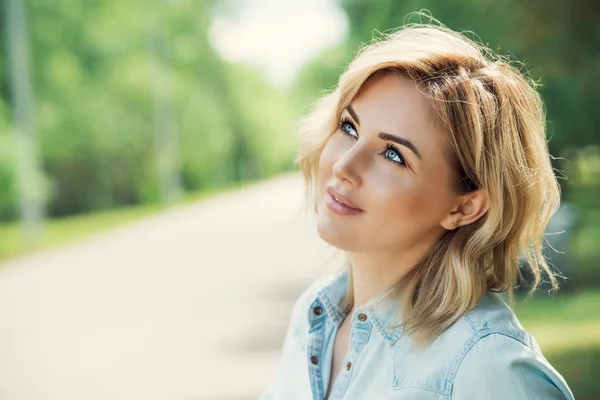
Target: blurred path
[{"x": 189, "y": 304}]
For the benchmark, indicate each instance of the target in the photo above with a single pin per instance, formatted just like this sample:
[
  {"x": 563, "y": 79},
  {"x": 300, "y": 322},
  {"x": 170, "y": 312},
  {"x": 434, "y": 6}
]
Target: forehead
[
  {"x": 392, "y": 103},
  {"x": 392, "y": 94}
]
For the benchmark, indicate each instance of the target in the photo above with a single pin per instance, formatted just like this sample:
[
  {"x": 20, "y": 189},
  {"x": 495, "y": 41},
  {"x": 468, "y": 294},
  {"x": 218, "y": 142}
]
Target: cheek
[
  {"x": 409, "y": 203},
  {"x": 400, "y": 199}
]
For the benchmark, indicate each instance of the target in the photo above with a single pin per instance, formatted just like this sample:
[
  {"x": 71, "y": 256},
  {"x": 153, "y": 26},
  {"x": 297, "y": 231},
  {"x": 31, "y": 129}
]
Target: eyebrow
[
  {"x": 387, "y": 136},
  {"x": 353, "y": 114}
]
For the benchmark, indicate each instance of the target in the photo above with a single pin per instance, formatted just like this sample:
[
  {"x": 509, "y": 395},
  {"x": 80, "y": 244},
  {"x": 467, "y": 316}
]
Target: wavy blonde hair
[{"x": 495, "y": 125}]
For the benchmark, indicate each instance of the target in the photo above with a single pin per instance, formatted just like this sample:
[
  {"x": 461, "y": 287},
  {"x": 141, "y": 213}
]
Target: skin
[{"x": 409, "y": 201}]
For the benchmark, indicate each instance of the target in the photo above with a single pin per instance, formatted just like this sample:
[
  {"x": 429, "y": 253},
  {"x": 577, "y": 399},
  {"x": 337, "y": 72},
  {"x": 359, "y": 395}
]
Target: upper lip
[{"x": 342, "y": 199}]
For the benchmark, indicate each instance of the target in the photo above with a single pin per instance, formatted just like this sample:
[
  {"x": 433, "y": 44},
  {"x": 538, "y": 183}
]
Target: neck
[{"x": 374, "y": 274}]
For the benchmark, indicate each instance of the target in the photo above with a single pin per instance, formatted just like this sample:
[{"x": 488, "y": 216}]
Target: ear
[{"x": 470, "y": 208}]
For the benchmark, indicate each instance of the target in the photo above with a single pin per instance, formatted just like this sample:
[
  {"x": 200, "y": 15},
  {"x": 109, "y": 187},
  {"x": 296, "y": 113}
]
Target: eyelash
[{"x": 346, "y": 121}]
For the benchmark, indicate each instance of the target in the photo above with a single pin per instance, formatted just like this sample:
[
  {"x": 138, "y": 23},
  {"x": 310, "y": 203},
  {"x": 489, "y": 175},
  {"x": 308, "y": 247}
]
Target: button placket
[
  {"x": 316, "y": 340},
  {"x": 359, "y": 336}
]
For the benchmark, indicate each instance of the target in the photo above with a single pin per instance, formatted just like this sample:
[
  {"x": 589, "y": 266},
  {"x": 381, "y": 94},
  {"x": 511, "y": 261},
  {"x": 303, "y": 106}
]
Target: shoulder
[
  {"x": 485, "y": 354},
  {"x": 491, "y": 316},
  {"x": 502, "y": 360},
  {"x": 498, "y": 366}
]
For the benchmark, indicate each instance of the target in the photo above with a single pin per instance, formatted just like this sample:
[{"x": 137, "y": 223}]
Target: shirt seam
[{"x": 467, "y": 348}]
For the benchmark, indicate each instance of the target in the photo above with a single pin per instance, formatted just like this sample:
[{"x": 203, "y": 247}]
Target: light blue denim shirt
[{"x": 485, "y": 355}]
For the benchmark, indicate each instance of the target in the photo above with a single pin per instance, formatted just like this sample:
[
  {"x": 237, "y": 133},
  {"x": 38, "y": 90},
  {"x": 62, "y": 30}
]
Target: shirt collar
[{"x": 383, "y": 311}]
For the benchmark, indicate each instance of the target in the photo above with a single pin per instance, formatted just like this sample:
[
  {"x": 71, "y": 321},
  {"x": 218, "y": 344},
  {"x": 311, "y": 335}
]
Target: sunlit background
[{"x": 151, "y": 235}]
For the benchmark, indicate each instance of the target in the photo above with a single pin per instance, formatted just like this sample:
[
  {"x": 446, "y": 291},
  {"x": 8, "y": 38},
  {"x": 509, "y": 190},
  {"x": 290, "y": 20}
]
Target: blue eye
[
  {"x": 348, "y": 128},
  {"x": 392, "y": 154}
]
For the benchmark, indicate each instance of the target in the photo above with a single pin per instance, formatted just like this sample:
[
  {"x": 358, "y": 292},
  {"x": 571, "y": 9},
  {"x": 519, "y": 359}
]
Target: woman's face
[{"x": 389, "y": 159}]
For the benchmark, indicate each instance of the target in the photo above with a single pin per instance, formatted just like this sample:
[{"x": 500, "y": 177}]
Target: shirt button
[
  {"x": 348, "y": 366},
  {"x": 318, "y": 310},
  {"x": 314, "y": 360},
  {"x": 362, "y": 317}
]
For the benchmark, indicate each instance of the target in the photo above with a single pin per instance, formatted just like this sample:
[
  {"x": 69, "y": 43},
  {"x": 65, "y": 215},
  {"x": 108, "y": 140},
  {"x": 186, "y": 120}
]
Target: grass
[
  {"x": 60, "y": 231},
  {"x": 563, "y": 323}
]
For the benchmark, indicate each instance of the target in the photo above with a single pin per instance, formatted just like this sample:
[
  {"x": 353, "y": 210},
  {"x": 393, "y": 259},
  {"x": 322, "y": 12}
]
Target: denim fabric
[{"x": 486, "y": 354}]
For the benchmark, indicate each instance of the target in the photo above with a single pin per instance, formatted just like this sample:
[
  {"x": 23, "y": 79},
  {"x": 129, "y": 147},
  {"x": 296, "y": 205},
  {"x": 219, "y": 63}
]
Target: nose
[{"x": 347, "y": 167}]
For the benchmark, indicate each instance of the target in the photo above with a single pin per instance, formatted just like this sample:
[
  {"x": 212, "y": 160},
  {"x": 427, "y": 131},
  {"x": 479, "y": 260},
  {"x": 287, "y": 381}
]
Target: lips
[{"x": 341, "y": 199}]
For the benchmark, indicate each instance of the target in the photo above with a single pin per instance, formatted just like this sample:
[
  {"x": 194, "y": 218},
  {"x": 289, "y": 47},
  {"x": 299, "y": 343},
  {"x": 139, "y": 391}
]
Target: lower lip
[{"x": 340, "y": 208}]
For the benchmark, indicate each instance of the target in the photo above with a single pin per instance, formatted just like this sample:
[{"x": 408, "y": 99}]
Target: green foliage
[
  {"x": 8, "y": 166},
  {"x": 585, "y": 248},
  {"x": 100, "y": 97},
  {"x": 320, "y": 76},
  {"x": 268, "y": 127},
  {"x": 577, "y": 308}
]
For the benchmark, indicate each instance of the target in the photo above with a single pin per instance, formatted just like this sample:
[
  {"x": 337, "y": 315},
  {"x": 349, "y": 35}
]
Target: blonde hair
[{"x": 494, "y": 121}]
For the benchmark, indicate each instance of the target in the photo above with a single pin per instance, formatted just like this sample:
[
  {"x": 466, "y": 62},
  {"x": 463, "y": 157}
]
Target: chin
[
  {"x": 342, "y": 239},
  {"x": 331, "y": 230}
]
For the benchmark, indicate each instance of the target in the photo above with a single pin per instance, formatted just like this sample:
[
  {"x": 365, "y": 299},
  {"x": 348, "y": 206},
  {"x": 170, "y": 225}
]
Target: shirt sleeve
[{"x": 498, "y": 367}]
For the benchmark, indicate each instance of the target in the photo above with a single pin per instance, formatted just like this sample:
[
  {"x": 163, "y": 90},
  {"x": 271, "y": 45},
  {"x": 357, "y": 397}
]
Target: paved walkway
[{"x": 190, "y": 304}]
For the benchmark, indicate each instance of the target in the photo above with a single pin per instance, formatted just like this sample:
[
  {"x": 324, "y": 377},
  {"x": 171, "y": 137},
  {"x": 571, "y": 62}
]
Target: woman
[{"x": 430, "y": 169}]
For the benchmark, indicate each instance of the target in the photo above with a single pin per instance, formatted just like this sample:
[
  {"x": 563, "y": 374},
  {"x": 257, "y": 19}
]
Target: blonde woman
[{"x": 429, "y": 168}]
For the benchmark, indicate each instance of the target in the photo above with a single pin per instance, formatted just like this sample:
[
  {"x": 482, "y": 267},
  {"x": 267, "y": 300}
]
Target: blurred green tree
[{"x": 97, "y": 105}]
